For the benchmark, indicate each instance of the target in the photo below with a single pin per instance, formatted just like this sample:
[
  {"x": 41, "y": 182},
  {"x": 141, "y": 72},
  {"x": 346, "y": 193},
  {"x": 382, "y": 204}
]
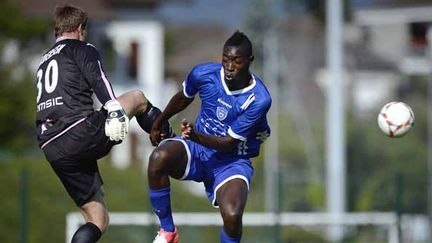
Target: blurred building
[{"x": 395, "y": 32}]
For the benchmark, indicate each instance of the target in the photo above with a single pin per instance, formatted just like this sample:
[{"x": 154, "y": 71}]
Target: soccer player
[
  {"x": 228, "y": 131},
  {"x": 72, "y": 135}
]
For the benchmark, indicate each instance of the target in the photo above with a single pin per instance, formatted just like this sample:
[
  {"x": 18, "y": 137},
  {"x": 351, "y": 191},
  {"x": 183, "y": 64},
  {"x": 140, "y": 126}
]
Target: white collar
[
  {"x": 235, "y": 92},
  {"x": 60, "y": 38}
]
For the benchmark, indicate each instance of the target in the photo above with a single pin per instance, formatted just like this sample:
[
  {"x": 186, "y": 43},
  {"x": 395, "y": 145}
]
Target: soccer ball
[{"x": 395, "y": 119}]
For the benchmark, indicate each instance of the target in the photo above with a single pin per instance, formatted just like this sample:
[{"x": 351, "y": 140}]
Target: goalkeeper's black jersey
[{"x": 67, "y": 76}]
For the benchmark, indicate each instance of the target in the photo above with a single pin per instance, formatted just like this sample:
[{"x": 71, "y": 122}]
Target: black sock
[
  {"x": 87, "y": 233},
  {"x": 146, "y": 119}
]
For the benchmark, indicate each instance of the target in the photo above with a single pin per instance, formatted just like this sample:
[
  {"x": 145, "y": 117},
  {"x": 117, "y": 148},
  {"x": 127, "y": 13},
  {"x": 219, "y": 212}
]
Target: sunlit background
[{"x": 330, "y": 66}]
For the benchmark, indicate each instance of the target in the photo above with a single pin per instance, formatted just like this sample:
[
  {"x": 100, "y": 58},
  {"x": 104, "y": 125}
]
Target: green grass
[{"x": 48, "y": 203}]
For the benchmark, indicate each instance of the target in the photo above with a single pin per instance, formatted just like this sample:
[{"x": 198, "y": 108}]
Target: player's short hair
[
  {"x": 68, "y": 18},
  {"x": 241, "y": 40}
]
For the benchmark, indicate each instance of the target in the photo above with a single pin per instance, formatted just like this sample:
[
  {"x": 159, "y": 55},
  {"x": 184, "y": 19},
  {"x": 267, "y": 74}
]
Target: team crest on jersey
[{"x": 221, "y": 113}]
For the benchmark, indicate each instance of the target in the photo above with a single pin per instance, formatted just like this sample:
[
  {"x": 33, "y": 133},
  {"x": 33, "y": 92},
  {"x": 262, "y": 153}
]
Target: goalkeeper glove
[{"x": 117, "y": 122}]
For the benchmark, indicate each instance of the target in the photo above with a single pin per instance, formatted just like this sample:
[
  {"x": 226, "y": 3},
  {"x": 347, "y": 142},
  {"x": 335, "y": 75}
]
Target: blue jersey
[{"x": 240, "y": 114}]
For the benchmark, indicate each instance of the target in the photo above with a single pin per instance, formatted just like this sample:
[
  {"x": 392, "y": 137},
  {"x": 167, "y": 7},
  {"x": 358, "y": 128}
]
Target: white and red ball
[{"x": 395, "y": 119}]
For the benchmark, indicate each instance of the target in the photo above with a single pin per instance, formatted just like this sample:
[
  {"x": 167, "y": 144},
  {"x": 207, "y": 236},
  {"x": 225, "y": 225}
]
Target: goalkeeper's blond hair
[{"x": 68, "y": 18}]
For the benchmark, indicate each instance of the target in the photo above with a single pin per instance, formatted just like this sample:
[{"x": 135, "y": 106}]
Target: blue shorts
[{"x": 214, "y": 172}]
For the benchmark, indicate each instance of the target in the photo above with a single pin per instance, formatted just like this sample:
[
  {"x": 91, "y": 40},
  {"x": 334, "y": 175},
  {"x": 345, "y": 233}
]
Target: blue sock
[
  {"x": 224, "y": 238},
  {"x": 160, "y": 201}
]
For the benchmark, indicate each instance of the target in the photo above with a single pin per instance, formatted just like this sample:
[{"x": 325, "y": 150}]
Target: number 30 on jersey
[{"x": 50, "y": 79}]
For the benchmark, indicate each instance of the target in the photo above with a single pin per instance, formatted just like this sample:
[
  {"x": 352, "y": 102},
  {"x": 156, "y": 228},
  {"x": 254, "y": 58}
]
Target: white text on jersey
[
  {"x": 224, "y": 103},
  {"x": 50, "y": 103},
  {"x": 52, "y": 52}
]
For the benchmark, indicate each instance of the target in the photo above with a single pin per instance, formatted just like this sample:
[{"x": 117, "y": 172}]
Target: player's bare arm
[
  {"x": 177, "y": 103},
  {"x": 226, "y": 143}
]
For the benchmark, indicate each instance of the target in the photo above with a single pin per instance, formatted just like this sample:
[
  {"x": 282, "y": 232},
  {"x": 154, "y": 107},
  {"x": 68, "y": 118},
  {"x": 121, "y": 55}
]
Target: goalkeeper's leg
[
  {"x": 96, "y": 216},
  {"x": 136, "y": 104}
]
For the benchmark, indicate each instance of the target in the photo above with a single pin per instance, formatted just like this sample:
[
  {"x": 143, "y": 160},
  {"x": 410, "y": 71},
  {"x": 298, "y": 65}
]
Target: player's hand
[
  {"x": 155, "y": 135},
  {"x": 160, "y": 130},
  {"x": 117, "y": 122},
  {"x": 187, "y": 129},
  {"x": 159, "y": 133}
]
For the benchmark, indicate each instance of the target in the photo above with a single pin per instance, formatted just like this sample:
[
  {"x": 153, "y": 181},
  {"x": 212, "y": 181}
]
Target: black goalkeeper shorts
[{"x": 74, "y": 155}]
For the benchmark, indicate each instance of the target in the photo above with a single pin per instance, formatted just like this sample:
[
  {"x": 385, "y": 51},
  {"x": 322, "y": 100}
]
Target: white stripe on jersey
[
  {"x": 235, "y": 135},
  {"x": 248, "y": 101},
  {"x": 184, "y": 91},
  {"x": 106, "y": 82}
]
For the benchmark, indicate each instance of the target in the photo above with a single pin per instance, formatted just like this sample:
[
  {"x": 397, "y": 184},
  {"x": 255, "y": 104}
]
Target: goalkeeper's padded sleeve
[{"x": 146, "y": 119}]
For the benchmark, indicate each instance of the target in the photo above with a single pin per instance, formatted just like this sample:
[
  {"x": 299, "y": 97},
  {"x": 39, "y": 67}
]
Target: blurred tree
[
  {"x": 375, "y": 162},
  {"x": 18, "y": 36},
  {"x": 14, "y": 24}
]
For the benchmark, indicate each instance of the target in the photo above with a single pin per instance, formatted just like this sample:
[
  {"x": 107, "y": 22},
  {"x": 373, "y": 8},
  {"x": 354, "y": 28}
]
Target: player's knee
[
  {"x": 140, "y": 99},
  {"x": 232, "y": 217},
  {"x": 157, "y": 163}
]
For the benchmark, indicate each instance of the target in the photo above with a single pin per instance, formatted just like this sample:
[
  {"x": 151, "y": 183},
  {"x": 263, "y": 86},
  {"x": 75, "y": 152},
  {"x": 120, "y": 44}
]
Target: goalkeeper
[{"x": 72, "y": 135}]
